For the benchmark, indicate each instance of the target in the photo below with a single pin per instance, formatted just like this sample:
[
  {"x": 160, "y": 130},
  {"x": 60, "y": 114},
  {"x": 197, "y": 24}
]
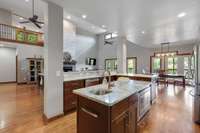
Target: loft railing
[{"x": 18, "y": 35}]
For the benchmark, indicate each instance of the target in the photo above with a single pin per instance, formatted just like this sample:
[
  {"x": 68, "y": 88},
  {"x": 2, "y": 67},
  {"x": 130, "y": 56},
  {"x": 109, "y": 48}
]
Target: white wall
[
  {"x": 133, "y": 50},
  {"x": 143, "y": 54},
  {"x": 5, "y": 17},
  {"x": 7, "y": 64},
  {"x": 105, "y": 51},
  {"x": 80, "y": 43}
]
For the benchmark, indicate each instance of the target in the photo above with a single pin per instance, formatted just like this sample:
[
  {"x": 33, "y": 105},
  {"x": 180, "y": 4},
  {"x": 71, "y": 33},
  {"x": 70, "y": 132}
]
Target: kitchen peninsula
[{"x": 113, "y": 111}]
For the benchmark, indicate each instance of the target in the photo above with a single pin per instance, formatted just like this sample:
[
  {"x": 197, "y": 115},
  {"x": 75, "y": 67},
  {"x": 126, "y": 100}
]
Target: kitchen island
[
  {"x": 115, "y": 110},
  {"x": 73, "y": 81}
]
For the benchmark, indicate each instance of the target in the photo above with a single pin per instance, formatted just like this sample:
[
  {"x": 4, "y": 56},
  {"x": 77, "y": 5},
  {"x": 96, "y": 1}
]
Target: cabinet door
[
  {"x": 132, "y": 123},
  {"x": 92, "y": 117},
  {"x": 120, "y": 124}
]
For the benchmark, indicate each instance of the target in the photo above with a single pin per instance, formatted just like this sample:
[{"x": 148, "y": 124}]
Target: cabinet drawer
[
  {"x": 70, "y": 86},
  {"x": 120, "y": 108},
  {"x": 92, "y": 117},
  {"x": 70, "y": 102},
  {"x": 74, "y": 84}
]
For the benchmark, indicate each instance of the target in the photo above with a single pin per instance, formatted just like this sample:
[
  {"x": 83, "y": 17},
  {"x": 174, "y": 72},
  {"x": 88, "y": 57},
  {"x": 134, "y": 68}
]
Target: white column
[
  {"x": 53, "y": 59},
  {"x": 121, "y": 54}
]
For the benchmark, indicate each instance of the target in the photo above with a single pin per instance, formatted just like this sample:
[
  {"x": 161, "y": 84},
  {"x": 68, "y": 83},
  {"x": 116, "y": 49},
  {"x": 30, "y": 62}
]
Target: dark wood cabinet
[
  {"x": 133, "y": 108},
  {"x": 70, "y": 99},
  {"x": 92, "y": 82},
  {"x": 140, "y": 78},
  {"x": 113, "y": 78},
  {"x": 93, "y": 117},
  {"x": 120, "y": 124}
]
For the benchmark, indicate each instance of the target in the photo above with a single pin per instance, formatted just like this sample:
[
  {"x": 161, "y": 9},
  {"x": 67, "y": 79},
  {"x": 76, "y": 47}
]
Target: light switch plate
[{"x": 58, "y": 73}]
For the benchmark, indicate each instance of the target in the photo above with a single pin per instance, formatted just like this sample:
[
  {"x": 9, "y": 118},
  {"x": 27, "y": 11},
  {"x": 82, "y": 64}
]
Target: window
[
  {"x": 189, "y": 67},
  {"x": 172, "y": 65},
  {"x": 131, "y": 65},
  {"x": 110, "y": 36},
  {"x": 156, "y": 65},
  {"x": 111, "y": 65}
]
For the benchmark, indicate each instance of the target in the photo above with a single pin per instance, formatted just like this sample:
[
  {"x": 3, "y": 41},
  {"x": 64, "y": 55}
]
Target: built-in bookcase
[{"x": 35, "y": 66}]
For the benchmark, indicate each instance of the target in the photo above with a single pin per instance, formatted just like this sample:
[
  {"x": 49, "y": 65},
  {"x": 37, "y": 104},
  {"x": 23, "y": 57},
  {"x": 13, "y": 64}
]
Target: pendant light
[{"x": 167, "y": 53}]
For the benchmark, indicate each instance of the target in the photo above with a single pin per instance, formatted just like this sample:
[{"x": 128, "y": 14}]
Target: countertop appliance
[{"x": 196, "y": 83}]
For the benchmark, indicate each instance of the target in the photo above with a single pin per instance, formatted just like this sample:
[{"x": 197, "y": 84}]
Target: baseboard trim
[
  {"x": 9, "y": 82},
  {"x": 47, "y": 120},
  {"x": 22, "y": 83}
]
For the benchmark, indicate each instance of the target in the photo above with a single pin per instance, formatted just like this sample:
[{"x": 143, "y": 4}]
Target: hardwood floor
[
  {"x": 172, "y": 113},
  {"x": 21, "y": 112}
]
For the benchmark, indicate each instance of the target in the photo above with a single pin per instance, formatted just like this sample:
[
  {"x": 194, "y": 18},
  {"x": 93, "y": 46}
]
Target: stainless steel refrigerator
[{"x": 196, "y": 83}]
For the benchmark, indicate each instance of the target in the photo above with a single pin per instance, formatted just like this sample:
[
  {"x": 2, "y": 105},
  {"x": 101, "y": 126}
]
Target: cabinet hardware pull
[
  {"x": 89, "y": 113},
  {"x": 73, "y": 103}
]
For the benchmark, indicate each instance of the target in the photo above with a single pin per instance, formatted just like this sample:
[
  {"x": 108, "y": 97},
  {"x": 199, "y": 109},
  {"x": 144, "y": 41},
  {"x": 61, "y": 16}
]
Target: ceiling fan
[{"x": 33, "y": 19}]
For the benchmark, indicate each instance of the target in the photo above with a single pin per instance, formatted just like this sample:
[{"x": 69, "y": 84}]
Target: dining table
[{"x": 174, "y": 76}]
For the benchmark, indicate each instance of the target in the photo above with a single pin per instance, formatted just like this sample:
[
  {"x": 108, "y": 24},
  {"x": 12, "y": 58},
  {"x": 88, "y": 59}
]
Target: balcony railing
[{"x": 18, "y": 35}]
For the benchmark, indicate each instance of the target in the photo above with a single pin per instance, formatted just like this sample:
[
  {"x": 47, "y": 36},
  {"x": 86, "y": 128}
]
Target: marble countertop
[
  {"x": 120, "y": 91},
  {"x": 85, "y": 76}
]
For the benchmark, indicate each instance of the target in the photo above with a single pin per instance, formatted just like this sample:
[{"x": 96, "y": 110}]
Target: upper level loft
[{"x": 14, "y": 34}]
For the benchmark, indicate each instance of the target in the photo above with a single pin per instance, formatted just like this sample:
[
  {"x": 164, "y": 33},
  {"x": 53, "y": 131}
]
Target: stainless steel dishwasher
[{"x": 144, "y": 102}]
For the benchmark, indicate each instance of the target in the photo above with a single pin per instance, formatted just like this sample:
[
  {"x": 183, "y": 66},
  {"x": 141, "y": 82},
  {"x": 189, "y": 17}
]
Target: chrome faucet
[{"x": 109, "y": 78}]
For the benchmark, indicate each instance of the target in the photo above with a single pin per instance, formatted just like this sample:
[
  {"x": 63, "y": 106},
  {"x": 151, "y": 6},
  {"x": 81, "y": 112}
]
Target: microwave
[{"x": 91, "y": 61}]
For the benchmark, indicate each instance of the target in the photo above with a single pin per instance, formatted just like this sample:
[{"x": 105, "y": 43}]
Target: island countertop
[{"x": 120, "y": 91}]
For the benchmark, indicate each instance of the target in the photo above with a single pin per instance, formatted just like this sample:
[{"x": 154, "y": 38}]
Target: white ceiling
[{"x": 157, "y": 18}]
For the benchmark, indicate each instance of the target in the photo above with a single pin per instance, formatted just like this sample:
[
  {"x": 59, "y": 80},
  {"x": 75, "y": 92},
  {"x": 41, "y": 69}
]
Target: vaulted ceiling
[{"x": 144, "y": 22}]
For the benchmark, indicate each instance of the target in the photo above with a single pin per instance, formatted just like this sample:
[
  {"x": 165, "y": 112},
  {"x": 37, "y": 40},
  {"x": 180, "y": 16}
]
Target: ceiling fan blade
[
  {"x": 37, "y": 25},
  {"x": 19, "y": 16},
  {"x": 39, "y": 22},
  {"x": 24, "y": 22}
]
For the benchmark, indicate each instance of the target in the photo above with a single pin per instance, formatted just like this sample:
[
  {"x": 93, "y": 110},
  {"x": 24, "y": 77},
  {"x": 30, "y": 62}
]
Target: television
[{"x": 91, "y": 61}]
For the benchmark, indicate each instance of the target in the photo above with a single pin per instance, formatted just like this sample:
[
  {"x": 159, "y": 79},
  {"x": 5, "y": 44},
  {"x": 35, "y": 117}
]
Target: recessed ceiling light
[
  {"x": 103, "y": 26},
  {"x": 180, "y": 15},
  {"x": 143, "y": 32},
  {"x": 21, "y": 18},
  {"x": 84, "y": 16},
  {"x": 27, "y": 0},
  {"x": 68, "y": 17}
]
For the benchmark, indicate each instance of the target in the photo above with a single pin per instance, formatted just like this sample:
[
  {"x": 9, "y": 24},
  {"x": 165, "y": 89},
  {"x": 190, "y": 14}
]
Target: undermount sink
[{"x": 101, "y": 91}]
